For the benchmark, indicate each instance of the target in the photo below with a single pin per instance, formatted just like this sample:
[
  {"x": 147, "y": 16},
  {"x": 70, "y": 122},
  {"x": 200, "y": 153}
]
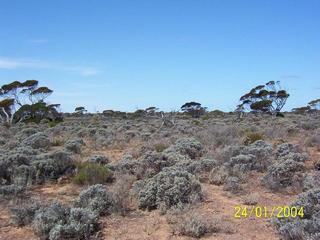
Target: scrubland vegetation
[{"x": 157, "y": 175}]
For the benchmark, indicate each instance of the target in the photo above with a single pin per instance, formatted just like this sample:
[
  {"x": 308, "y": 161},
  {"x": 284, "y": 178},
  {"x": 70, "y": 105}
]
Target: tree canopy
[
  {"x": 268, "y": 98},
  {"x": 194, "y": 109},
  {"x": 25, "y": 101}
]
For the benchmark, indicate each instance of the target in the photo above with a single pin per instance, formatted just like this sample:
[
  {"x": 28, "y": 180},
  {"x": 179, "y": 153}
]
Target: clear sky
[{"x": 124, "y": 55}]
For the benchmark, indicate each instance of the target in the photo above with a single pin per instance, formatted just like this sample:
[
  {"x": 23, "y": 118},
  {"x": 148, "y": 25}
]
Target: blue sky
[{"x": 124, "y": 55}]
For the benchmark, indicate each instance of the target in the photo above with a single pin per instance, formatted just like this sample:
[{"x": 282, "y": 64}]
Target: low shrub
[
  {"x": 187, "y": 146},
  {"x": 250, "y": 199},
  {"x": 74, "y": 145},
  {"x": 218, "y": 175},
  {"x": 233, "y": 185},
  {"x": 24, "y": 213},
  {"x": 252, "y": 137},
  {"x": 284, "y": 174},
  {"x": 121, "y": 193},
  {"x": 80, "y": 224},
  {"x": 92, "y": 173},
  {"x": 57, "y": 142},
  {"x": 47, "y": 217},
  {"x": 8, "y": 191},
  {"x": 159, "y": 147},
  {"x": 194, "y": 225},
  {"x": 306, "y": 227},
  {"x": 169, "y": 188},
  {"x": 96, "y": 199}
]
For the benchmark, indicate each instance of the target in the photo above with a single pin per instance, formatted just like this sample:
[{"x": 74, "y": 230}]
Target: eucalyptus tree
[{"x": 269, "y": 98}]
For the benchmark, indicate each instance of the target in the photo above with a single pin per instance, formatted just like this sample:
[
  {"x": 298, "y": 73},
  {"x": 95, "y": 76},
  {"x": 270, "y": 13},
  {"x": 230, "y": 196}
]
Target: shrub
[
  {"x": 250, "y": 199},
  {"x": 283, "y": 174},
  {"x": 306, "y": 227},
  {"x": 74, "y": 145},
  {"x": 314, "y": 140},
  {"x": 169, "y": 187},
  {"x": 196, "y": 123},
  {"x": 47, "y": 217},
  {"x": 298, "y": 157},
  {"x": 311, "y": 181},
  {"x": 233, "y": 185},
  {"x": 24, "y": 213},
  {"x": 92, "y": 173},
  {"x": 159, "y": 147},
  {"x": 253, "y": 137},
  {"x": 286, "y": 148},
  {"x": 121, "y": 193},
  {"x": 54, "y": 123},
  {"x": 80, "y": 224},
  {"x": 218, "y": 175},
  {"x": 224, "y": 154},
  {"x": 8, "y": 191},
  {"x": 126, "y": 166},
  {"x": 240, "y": 164},
  {"x": 196, "y": 167},
  {"x": 187, "y": 146},
  {"x": 57, "y": 142},
  {"x": 195, "y": 226},
  {"x": 99, "y": 159},
  {"x": 37, "y": 140},
  {"x": 96, "y": 199},
  {"x": 52, "y": 166}
]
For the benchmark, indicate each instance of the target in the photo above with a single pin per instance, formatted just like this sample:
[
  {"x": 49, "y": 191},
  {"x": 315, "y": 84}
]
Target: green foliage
[
  {"x": 160, "y": 147},
  {"x": 315, "y": 104},
  {"x": 280, "y": 115},
  {"x": 301, "y": 110},
  {"x": 217, "y": 113},
  {"x": 262, "y": 106},
  {"x": 36, "y": 112},
  {"x": 92, "y": 173},
  {"x": 25, "y": 102},
  {"x": 264, "y": 98},
  {"x": 253, "y": 137},
  {"x": 196, "y": 123},
  {"x": 58, "y": 142},
  {"x": 80, "y": 110},
  {"x": 54, "y": 123},
  {"x": 205, "y": 117},
  {"x": 138, "y": 113},
  {"x": 194, "y": 109}
]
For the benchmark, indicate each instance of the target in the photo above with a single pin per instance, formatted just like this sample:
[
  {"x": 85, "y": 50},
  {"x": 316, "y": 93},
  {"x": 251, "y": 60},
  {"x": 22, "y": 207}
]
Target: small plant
[
  {"x": 52, "y": 124},
  {"x": 250, "y": 199},
  {"x": 205, "y": 117},
  {"x": 121, "y": 193},
  {"x": 196, "y": 123},
  {"x": 58, "y": 142},
  {"x": 92, "y": 173},
  {"x": 252, "y": 137},
  {"x": 195, "y": 225},
  {"x": 160, "y": 147}
]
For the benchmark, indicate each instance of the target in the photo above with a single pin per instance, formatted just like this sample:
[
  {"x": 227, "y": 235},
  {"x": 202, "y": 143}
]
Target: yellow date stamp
[{"x": 268, "y": 212}]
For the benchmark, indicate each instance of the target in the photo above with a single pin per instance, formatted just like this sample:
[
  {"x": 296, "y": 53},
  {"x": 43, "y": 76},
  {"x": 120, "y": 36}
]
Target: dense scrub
[{"x": 160, "y": 168}]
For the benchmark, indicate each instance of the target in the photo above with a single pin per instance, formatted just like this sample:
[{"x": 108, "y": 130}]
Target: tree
[
  {"x": 80, "y": 110},
  {"x": 314, "y": 104},
  {"x": 301, "y": 110},
  {"x": 268, "y": 98},
  {"x": 151, "y": 111},
  {"x": 312, "y": 107},
  {"x": 6, "y": 109},
  {"x": 194, "y": 109},
  {"x": 25, "y": 101}
]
